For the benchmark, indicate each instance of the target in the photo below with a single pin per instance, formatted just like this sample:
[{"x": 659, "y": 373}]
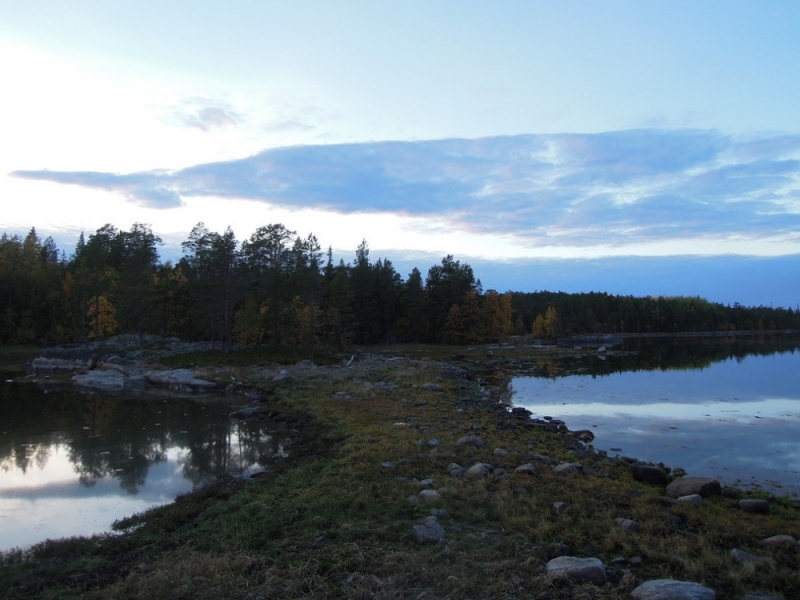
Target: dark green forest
[{"x": 281, "y": 289}]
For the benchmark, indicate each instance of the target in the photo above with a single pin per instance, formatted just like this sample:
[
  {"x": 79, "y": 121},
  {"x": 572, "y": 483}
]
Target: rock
[
  {"x": 427, "y": 482},
  {"x": 429, "y": 496},
  {"x": 455, "y": 469},
  {"x": 779, "y": 541},
  {"x": 479, "y": 470},
  {"x": 754, "y": 505},
  {"x": 628, "y": 525},
  {"x": 583, "y": 435},
  {"x": 577, "y": 570},
  {"x": 670, "y": 589},
  {"x": 471, "y": 440},
  {"x": 745, "y": 558},
  {"x": 106, "y": 380},
  {"x": 500, "y": 452},
  {"x": 283, "y": 376},
  {"x": 179, "y": 379},
  {"x": 427, "y": 532},
  {"x": 433, "y": 443},
  {"x": 431, "y": 387},
  {"x": 694, "y": 499},
  {"x": 560, "y": 507},
  {"x": 649, "y": 474},
  {"x": 567, "y": 468},
  {"x": 306, "y": 364},
  {"x": 342, "y": 395},
  {"x": 387, "y": 464},
  {"x": 440, "y": 513},
  {"x": 526, "y": 469},
  {"x": 704, "y": 486}
]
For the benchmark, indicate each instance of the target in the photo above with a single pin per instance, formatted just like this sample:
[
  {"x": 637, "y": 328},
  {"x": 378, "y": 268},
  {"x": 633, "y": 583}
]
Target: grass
[
  {"x": 333, "y": 522},
  {"x": 15, "y": 358}
]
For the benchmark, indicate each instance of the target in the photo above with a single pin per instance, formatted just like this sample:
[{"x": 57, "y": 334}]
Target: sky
[{"x": 646, "y": 148}]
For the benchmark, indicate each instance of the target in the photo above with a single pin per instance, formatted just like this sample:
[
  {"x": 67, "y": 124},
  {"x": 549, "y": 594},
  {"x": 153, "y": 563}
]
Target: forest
[{"x": 279, "y": 288}]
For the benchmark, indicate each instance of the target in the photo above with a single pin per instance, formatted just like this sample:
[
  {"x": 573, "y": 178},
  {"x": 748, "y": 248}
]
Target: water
[
  {"x": 729, "y": 410},
  {"x": 72, "y": 463}
]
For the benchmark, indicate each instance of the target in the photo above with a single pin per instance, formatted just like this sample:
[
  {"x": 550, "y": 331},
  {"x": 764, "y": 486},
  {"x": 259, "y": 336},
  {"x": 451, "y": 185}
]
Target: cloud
[
  {"x": 616, "y": 188},
  {"x": 204, "y": 114}
]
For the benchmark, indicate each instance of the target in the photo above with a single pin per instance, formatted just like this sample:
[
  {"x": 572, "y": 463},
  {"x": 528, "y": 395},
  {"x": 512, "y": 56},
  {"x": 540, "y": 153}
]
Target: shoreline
[{"x": 375, "y": 460}]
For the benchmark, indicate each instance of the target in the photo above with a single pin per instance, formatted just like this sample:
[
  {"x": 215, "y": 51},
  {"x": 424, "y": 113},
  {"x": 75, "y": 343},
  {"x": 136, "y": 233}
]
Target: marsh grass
[{"x": 333, "y": 522}]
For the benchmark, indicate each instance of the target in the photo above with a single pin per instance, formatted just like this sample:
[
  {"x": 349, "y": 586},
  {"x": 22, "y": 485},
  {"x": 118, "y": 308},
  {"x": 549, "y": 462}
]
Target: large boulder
[
  {"x": 685, "y": 486},
  {"x": 577, "y": 570},
  {"x": 671, "y": 589}
]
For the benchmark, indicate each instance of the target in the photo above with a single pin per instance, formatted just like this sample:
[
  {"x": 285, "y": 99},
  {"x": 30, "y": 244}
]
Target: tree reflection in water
[{"x": 122, "y": 437}]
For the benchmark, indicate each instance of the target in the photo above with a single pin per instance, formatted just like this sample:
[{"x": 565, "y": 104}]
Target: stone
[
  {"x": 500, "y": 452},
  {"x": 671, "y": 589},
  {"x": 431, "y": 387},
  {"x": 567, "y": 468},
  {"x": 745, "y": 558},
  {"x": 430, "y": 496},
  {"x": 780, "y": 541},
  {"x": 427, "y": 532},
  {"x": 560, "y": 507},
  {"x": 694, "y": 499},
  {"x": 704, "y": 486},
  {"x": 479, "y": 470},
  {"x": 628, "y": 525},
  {"x": 471, "y": 440},
  {"x": 104, "y": 380},
  {"x": 649, "y": 474},
  {"x": 427, "y": 482},
  {"x": 577, "y": 570},
  {"x": 754, "y": 505},
  {"x": 283, "y": 376},
  {"x": 180, "y": 379},
  {"x": 583, "y": 435},
  {"x": 455, "y": 469},
  {"x": 526, "y": 469}
]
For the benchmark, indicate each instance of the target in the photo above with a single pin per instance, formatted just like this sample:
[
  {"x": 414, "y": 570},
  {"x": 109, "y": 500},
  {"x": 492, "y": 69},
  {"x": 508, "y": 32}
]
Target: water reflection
[
  {"x": 737, "y": 418},
  {"x": 72, "y": 463}
]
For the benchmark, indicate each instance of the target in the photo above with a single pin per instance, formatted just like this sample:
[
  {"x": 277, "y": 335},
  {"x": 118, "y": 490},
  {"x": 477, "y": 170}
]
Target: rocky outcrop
[
  {"x": 179, "y": 379},
  {"x": 671, "y": 589}
]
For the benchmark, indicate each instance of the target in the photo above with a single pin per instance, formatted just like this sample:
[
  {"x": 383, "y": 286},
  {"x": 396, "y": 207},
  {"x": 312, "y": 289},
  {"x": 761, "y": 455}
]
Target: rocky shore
[{"x": 413, "y": 479}]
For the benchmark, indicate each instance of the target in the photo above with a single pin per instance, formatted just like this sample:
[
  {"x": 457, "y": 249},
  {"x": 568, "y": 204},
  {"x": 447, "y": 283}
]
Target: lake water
[
  {"x": 72, "y": 463},
  {"x": 728, "y": 409}
]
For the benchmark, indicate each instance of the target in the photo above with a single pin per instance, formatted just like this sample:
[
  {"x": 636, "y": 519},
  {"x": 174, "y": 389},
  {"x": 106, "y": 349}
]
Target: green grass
[
  {"x": 15, "y": 358},
  {"x": 334, "y": 523}
]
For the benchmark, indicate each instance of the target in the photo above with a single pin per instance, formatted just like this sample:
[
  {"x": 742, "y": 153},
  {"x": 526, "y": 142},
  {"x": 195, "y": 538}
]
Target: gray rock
[
  {"x": 440, "y": 513},
  {"x": 455, "y": 467},
  {"x": 526, "y": 469},
  {"x": 628, "y": 525},
  {"x": 560, "y": 507},
  {"x": 180, "y": 379},
  {"x": 704, "y": 486},
  {"x": 388, "y": 464},
  {"x": 306, "y": 364},
  {"x": 567, "y": 468},
  {"x": 429, "y": 496},
  {"x": 427, "y": 482},
  {"x": 649, "y": 474},
  {"x": 500, "y": 452},
  {"x": 431, "y": 387},
  {"x": 105, "y": 380},
  {"x": 583, "y": 435},
  {"x": 479, "y": 470},
  {"x": 695, "y": 499},
  {"x": 427, "y": 532},
  {"x": 471, "y": 440},
  {"x": 670, "y": 589},
  {"x": 754, "y": 505},
  {"x": 283, "y": 377},
  {"x": 745, "y": 558},
  {"x": 578, "y": 570},
  {"x": 780, "y": 541}
]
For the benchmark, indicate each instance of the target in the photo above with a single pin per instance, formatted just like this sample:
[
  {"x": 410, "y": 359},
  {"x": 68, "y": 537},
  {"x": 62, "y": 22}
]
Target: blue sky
[{"x": 627, "y": 147}]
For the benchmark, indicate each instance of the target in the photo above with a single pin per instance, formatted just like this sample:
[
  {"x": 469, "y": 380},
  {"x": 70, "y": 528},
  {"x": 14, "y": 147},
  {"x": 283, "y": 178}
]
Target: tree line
[{"x": 280, "y": 288}]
